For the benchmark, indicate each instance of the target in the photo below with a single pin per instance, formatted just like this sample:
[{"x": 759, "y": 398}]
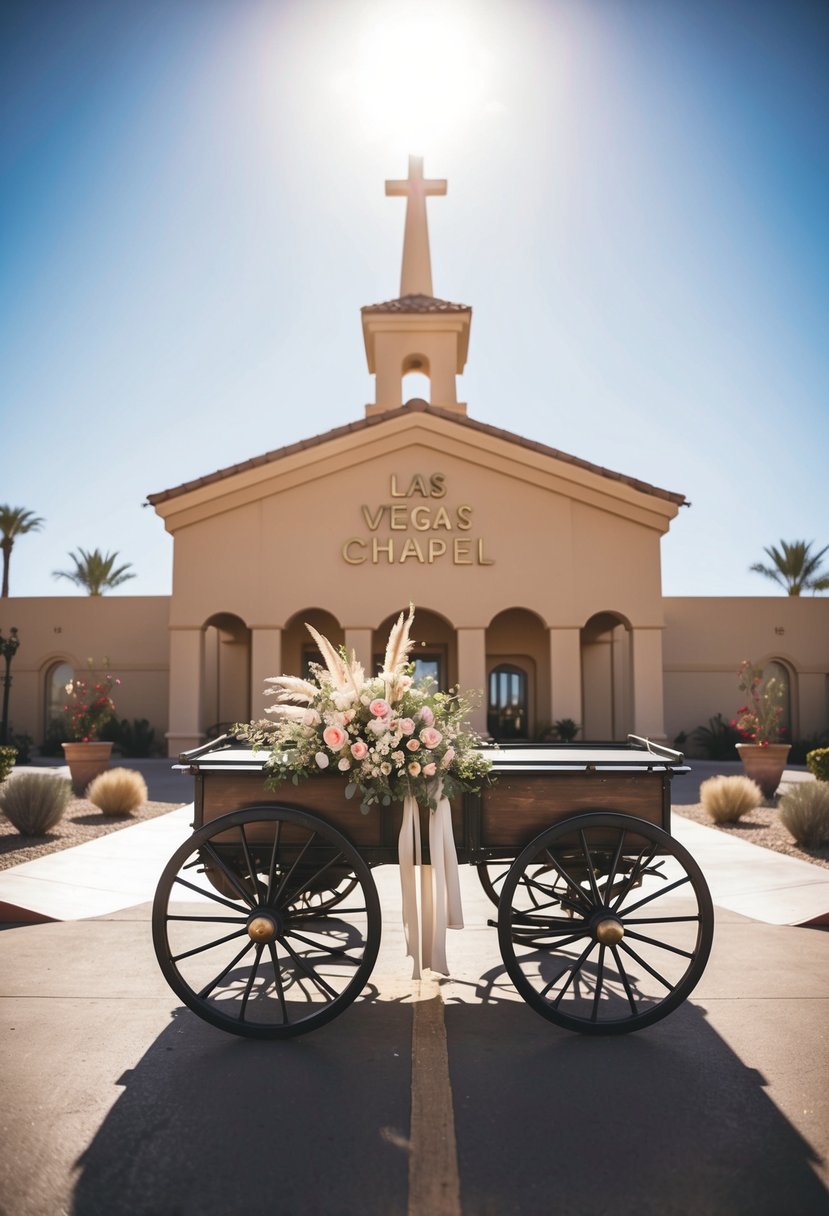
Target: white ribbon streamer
[{"x": 440, "y": 891}]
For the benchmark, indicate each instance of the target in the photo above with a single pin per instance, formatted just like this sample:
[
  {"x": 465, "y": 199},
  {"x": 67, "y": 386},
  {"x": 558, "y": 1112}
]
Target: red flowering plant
[
  {"x": 90, "y": 705},
  {"x": 758, "y": 721}
]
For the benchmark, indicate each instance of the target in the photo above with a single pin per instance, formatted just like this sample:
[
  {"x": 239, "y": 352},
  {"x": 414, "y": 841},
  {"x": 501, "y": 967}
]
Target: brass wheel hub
[
  {"x": 609, "y": 931},
  {"x": 262, "y": 927}
]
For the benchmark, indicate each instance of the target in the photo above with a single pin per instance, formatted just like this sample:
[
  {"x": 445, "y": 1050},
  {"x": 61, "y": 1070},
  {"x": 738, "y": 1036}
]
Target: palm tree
[
  {"x": 795, "y": 567},
  {"x": 95, "y": 572},
  {"x": 14, "y": 522}
]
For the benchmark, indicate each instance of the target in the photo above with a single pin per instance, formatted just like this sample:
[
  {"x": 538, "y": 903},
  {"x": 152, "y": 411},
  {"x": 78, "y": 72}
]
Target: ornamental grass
[
  {"x": 118, "y": 791},
  {"x": 34, "y": 804},
  {"x": 727, "y": 799},
  {"x": 804, "y": 811}
]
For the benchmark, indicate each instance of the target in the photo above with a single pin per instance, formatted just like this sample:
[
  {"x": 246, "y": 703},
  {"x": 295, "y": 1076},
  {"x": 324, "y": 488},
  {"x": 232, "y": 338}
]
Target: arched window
[
  {"x": 57, "y": 677},
  {"x": 775, "y": 670},
  {"x": 507, "y": 716}
]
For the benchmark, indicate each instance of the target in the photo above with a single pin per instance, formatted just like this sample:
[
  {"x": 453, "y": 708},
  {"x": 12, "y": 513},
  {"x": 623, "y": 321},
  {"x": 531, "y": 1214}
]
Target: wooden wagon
[{"x": 267, "y": 921}]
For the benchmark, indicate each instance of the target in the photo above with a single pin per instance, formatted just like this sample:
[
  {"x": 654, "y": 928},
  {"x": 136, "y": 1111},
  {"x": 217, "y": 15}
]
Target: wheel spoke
[
  {"x": 653, "y": 941},
  {"x": 650, "y": 970},
  {"x": 594, "y": 1013},
  {"x": 334, "y": 951},
  {"x": 228, "y": 873},
  {"x": 624, "y": 978},
  {"x": 581, "y": 899},
  {"x": 680, "y": 882},
  {"x": 662, "y": 920},
  {"x": 591, "y": 873},
  {"x": 636, "y": 870},
  {"x": 307, "y": 882},
  {"x": 577, "y": 966},
  {"x": 274, "y": 855},
  {"x": 219, "y": 941},
  {"x": 205, "y": 992},
  {"x": 260, "y": 946},
  {"x": 208, "y": 894},
  {"x": 251, "y": 869},
  {"x": 210, "y": 920},
  {"x": 297, "y": 860},
  {"x": 308, "y": 970},
  {"x": 614, "y": 865},
  {"x": 277, "y": 978}
]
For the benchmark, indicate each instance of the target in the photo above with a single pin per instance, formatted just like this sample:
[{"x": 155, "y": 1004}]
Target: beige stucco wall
[
  {"x": 706, "y": 638},
  {"x": 131, "y": 631}
]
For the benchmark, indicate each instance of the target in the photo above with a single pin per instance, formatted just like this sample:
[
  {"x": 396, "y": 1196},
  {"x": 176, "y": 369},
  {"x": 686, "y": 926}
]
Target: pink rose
[
  {"x": 359, "y": 749},
  {"x": 380, "y": 708},
  {"x": 407, "y": 726},
  {"x": 344, "y": 764},
  {"x": 414, "y": 768},
  {"x": 413, "y": 745},
  {"x": 334, "y": 737},
  {"x": 430, "y": 769},
  {"x": 430, "y": 737},
  {"x": 448, "y": 757},
  {"x": 426, "y": 716}
]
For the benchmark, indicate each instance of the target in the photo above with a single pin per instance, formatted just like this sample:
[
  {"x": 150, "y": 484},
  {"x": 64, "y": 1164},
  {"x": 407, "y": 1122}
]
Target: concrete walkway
[{"x": 121, "y": 870}]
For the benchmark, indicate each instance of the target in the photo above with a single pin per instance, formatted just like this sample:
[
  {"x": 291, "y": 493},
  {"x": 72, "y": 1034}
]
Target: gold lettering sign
[{"x": 430, "y": 529}]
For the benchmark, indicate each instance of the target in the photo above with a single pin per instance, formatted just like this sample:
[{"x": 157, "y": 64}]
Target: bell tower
[{"x": 417, "y": 331}]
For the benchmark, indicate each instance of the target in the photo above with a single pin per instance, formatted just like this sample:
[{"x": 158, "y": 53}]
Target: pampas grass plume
[
  {"x": 118, "y": 791},
  {"x": 727, "y": 799}
]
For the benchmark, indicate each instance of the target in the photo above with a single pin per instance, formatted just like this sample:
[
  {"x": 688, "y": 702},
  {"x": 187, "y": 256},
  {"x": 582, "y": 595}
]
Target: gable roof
[{"x": 414, "y": 406}]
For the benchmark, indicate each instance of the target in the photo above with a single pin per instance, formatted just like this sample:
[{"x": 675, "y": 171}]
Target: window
[
  {"x": 429, "y": 662},
  {"x": 507, "y": 716},
  {"x": 57, "y": 677}
]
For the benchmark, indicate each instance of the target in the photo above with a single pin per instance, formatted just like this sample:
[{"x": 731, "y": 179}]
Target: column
[
  {"x": 265, "y": 660},
  {"x": 186, "y": 671},
  {"x": 648, "y": 707},
  {"x": 472, "y": 672},
  {"x": 565, "y": 675},
  {"x": 359, "y": 640}
]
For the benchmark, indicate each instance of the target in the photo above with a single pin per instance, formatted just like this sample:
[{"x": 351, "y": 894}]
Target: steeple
[{"x": 416, "y": 332}]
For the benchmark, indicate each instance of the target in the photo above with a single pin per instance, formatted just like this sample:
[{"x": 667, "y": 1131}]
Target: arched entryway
[
  {"x": 226, "y": 673},
  {"x": 518, "y": 676},
  {"x": 435, "y": 652},
  {"x": 607, "y": 677},
  {"x": 779, "y": 670},
  {"x": 299, "y": 650}
]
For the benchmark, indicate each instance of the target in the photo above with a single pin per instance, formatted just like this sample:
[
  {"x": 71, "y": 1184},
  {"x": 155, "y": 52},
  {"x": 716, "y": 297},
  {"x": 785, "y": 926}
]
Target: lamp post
[{"x": 8, "y": 649}]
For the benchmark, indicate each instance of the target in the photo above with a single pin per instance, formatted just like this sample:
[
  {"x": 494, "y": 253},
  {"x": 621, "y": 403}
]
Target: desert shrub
[
  {"x": 118, "y": 791},
  {"x": 717, "y": 740},
  {"x": 33, "y": 803},
  {"x": 8, "y": 755},
  {"x": 804, "y": 811},
  {"x": 818, "y": 763},
  {"x": 727, "y": 799}
]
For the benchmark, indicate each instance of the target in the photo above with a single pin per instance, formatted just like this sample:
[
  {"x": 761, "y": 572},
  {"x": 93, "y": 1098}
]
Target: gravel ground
[
  {"x": 761, "y": 827},
  {"x": 82, "y": 821}
]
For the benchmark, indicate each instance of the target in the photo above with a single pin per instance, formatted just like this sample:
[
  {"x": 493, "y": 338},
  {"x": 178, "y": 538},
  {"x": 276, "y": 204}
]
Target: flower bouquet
[
  {"x": 759, "y": 720},
  {"x": 390, "y": 738},
  {"x": 89, "y": 706}
]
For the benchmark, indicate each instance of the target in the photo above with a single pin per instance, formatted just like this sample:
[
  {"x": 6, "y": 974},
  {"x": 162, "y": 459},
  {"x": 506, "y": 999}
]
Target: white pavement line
[{"x": 434, "y": 1183}]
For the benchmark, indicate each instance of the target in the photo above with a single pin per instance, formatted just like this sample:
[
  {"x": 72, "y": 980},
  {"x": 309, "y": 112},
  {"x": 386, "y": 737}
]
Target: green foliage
[
  {"x": 34, "y": 803},
  {"x": 794, "y": 567},
  {"x": 804, "y": 811},
  {"x": 95, "y": 572},
  {"x": 14, "y": 522},
  {"x": 136, "y": 738},
  {"x": 566, "y": 729},
  {"x": 818, "y": 763},
  {"x": 8, "y": 756},
  {"x": 118, "y": 791},
  {"x": 717, "y": 740},
  {"x": 727, "y": 799},
  {"x": 23, "y": 745},
  {"x": 758, "y": 721},
  {"x": 54, "y": 737}
]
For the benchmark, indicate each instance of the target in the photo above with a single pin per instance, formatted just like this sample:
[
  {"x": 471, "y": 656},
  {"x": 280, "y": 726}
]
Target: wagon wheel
[
  {"x": 492, "y": 874},
  {"x": 616, "y": 933},
  {"x": 292, "y": 943}
]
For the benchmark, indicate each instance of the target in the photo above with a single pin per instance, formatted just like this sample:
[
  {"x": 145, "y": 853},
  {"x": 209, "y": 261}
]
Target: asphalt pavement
[{"x": 446, "y": 1097}]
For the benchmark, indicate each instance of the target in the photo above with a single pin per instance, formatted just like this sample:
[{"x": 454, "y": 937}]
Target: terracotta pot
[
  {"x": 86, "y": 760},
  {"x": 764, "y": 763}
]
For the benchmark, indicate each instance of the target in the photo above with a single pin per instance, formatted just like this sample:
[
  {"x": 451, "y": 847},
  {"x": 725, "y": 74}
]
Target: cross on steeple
[{"x": 416, "y": 275}]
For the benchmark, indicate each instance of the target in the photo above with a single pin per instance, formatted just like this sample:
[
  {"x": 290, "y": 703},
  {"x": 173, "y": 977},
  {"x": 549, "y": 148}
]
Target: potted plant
[
  {"x": 88, "y": 709},
  {"x": 758, "y": 721}
]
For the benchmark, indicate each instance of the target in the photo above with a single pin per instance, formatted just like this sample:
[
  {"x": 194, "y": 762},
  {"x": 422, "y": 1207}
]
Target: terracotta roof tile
[
  {"x": 416, "y": 303},
  {"x": 414, "y": 406}
]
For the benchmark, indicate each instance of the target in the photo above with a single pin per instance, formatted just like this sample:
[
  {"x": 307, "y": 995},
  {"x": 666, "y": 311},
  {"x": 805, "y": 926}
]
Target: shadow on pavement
[{"x": 665, "y": 1120}]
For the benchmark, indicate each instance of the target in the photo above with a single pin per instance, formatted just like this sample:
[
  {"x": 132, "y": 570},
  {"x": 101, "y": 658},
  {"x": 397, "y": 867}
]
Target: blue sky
[{"x": 638, "y": 193}]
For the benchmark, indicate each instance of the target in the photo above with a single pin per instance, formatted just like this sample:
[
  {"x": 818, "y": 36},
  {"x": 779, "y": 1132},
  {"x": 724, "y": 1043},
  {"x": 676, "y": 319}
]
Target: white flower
[
  {"x": 344, "y": 764},
  {"x": 322, "y": 760},
  {"x": 310, "y": 718}
]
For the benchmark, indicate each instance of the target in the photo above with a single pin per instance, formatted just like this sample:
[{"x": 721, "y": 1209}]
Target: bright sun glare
[{"x": 417, "y": 74}]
